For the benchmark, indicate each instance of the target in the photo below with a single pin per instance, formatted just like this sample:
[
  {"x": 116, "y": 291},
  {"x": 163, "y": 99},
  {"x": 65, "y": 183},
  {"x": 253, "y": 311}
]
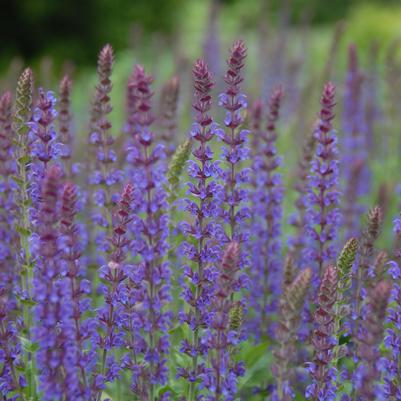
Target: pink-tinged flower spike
[
  {"x": 168, "y": 114},
  {"x": 354, "y": 152},
  {"x": 364, "y": 272},
  {"x": 235, "y": 151},
  {"x": 201, "y": 249},
  {"x": 266, "y": 226},
  {"x": 221, "y": 376},
  {"x": 78, "y": 329},
  {"x": 322, "y": 387},
  {"x": 65, "y": 125},
  {"x": 151, "y": 273},
  {"x": 103, "y": 175},
  {"x": 323, "y": 215},
  {"x": 367, "y": 374},
  {"x": 109, "y": 335},
  {"x": 291, "y": 304}
]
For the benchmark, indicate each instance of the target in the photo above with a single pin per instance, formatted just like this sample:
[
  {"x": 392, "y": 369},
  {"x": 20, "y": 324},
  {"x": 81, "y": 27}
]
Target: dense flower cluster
[
  {"x": 164, "y": 271},
  {"x": 323, "y": 214}
]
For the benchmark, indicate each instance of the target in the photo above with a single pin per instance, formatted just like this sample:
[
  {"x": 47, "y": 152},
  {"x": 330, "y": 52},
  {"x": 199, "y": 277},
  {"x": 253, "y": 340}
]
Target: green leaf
[{"x": 28, "y": 345}]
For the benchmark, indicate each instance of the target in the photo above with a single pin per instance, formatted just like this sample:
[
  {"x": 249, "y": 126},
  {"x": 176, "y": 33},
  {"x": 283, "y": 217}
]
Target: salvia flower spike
[
  {"x": 266, "y": 226},
  {"x": 12, "y": 365},
  {"x": 147, "y": 159},
  {"x": 169, "y": 110},
  {"x": 221, "y": 377},
  {"x": 65, "y": 124},
  {"x": 369, "y": 339},
  {"x": 321, "y": 371},
  {"x": 103, "y": 174},
  {"x": 202, "y": 204},
  {"x": 48, "y": 290},
  {"x": 323, "y": 215},
  {"x": 392, "y": 378},
  {"x": 235, "y": 149},
  {"x": 364, "y": 268},
  {"x": 290, "y": 307},
  {"x": 21, "y": 153}
]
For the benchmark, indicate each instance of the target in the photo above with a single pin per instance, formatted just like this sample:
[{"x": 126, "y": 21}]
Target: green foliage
[
  {"x": 176, "y": 168},
  {"x": 371, "y": 22}
]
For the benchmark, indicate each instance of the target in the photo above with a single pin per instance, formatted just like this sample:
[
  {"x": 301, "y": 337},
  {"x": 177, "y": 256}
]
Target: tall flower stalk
[
  {"x": 267, "y": 209},
  {"x": 364, "y": 267},
  {"x": 7, "y": 201},
  {"x": 323, "y": 214},
  {"x": 355, "y": 145},
  {"x": 392, "y": 363},
  {"x": 168, "y": 118},
  {"x": 65, "y": 124},
  {"x": 48, "y": 291},
  {"x": 201, "y": 250},
  {"x": 109, "y": 336},
  {"x": 290, "y": 306},
  {"x": 343, "y": 306},
  {"x": 369, "y": 339},
  {"x": 151, "y": 229},
  {"x": 299, "y": 220},
  {"x": 76, "y": 303},
  {"x": 43, "y": 145},
  {"x": 321, "y": 371},
  {"x": 235, "y": 151},
  {"x": 103, "y": 174},
  {"x": 220, "y": 378},
  {"x": 21, "y": 153},
  {"x": 11, "y": 376}
]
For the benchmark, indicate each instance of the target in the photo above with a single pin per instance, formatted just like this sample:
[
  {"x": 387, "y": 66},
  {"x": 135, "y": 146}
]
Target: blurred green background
[{"x": 76, "y": 29}]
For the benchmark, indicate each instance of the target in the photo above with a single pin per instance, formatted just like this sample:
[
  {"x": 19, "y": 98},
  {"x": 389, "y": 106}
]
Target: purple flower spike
[
  {"x": 355, "y": 152},
  {"x": 202, "y": 250},
  {"x": 104, "y": 176},
  {"x": 323, "y": 215},
  {"x": 368, "y": 371},
  {"x": 49, "y": 291},
  {"x": 235, "y": 151},
  {"x": 76, "y": 303},
  {"x": 221, "y": 377},
  {"x": 109, "y": 335},
  {"x": 10, "y": 354},
  {"x": 392, "y": 340},
  {"x": 43, "y": 136},
  {"x": 266, "y": 226},
  {"x": 322, "y": 387},
  {"x": 168, "y": 118},
  {"x": 65, "y": 125},
  {"x": 149, "y": 283},
  {"x": 7, "y": 201}
]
